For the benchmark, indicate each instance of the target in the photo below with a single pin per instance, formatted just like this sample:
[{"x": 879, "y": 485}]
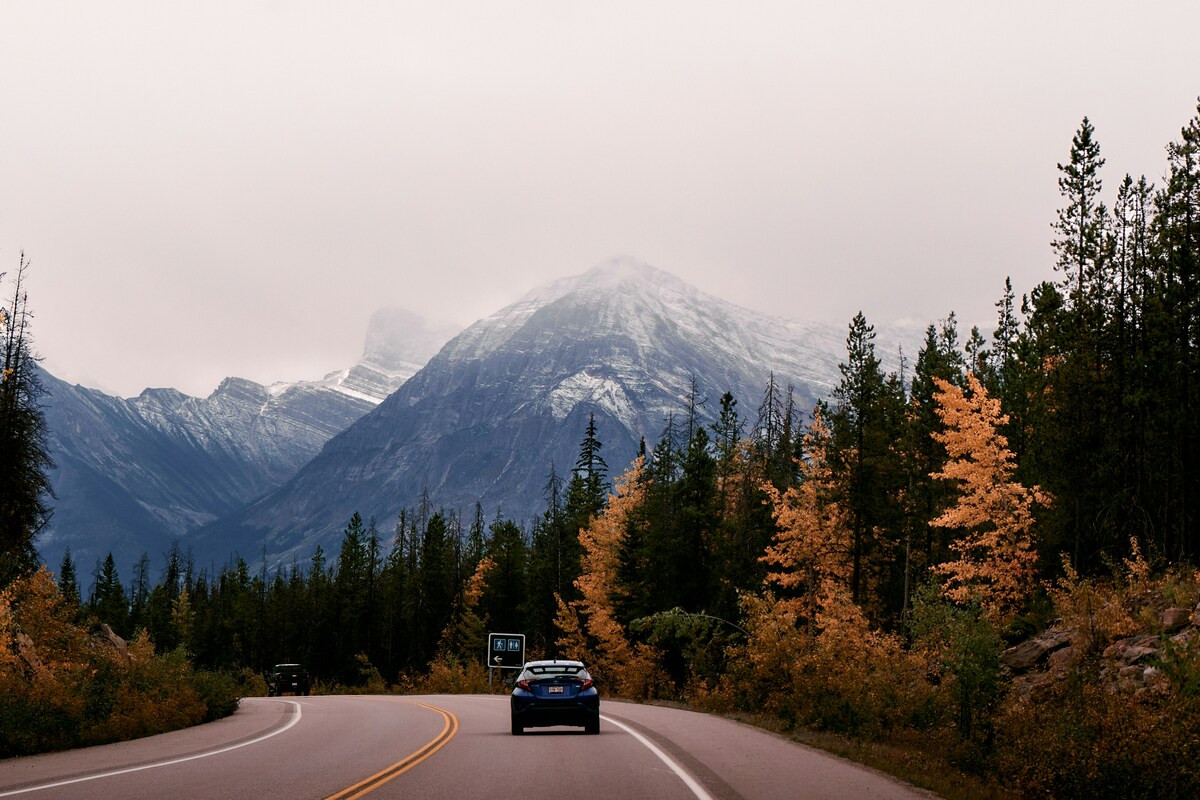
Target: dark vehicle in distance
[
  {"x": 555, "y": 693},
  {"x": 287, "y": 678}
]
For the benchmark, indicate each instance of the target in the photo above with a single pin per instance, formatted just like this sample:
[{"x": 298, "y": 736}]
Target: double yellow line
[{"x": 404, "y": 765}]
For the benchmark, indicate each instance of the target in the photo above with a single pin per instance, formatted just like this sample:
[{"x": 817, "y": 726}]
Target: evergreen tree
[
  {"x": 68, "y": 583},
  {"x": 938, "y": 359},
  {"x": 437, "y": 586},
  {"x": 769, "y": 425},
  {"x": 553, "y": 565},
  {"x": 108, "y": 602},
  {"x": 858, "y": 437},
  {"x": 139, "y": 592},
  {"x": 1081, "y": 223},
  {"x": 476, "y": 542},
  {"x": 505, "y": 599},
  {"x": 1176, "y": 430},
  {"x": 24, "y": 458},
  {"x": 726, "y": 434},
  {"x": 589, "y": 483}
]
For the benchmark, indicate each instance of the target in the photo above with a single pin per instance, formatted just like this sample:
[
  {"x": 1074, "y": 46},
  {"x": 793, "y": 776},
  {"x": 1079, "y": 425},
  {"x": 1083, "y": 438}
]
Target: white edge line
[
  {"x": 294, "y": 720},
  {"x": 691, "y": 782}
]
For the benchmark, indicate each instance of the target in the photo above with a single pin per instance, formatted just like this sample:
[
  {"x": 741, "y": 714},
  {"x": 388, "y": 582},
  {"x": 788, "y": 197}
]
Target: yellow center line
[{"x": 405, "y": 764}]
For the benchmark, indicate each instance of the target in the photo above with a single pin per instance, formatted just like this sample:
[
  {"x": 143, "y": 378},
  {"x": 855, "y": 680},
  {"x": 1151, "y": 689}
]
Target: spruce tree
[
  {"x": 505, "y": 600},
  {"x": 1081, "y": 222},
  {"x": 24, "y": 456},
  {"x": 858, "y": 438},
  {"x": 68, "y": 583},
  {"x": 108, "y": 601},
  {"x": 1177, "y": 431}
]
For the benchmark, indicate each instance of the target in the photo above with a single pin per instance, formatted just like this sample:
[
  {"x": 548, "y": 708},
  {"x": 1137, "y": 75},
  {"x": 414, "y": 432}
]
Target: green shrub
[
  {"x": 1080, "y": 738},
  {"x": 219, "y": 691}
]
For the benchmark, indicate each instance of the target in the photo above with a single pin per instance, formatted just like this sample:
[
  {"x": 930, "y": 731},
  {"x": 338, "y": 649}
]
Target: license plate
[{"x": 554, "y": 690}]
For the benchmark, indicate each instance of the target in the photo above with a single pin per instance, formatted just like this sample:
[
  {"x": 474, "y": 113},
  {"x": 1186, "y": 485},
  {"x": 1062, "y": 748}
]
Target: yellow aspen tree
[
  {"x": 592, "y": 619},
  {"x": 810, "y": 550},
  {"x": 996, "y": 557}
]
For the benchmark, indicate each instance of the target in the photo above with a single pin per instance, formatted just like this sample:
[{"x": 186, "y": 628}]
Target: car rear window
[{"x": 551, "y": 670}]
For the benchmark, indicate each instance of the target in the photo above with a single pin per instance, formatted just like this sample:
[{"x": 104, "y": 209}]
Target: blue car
[{"x": 555, "y": 693}]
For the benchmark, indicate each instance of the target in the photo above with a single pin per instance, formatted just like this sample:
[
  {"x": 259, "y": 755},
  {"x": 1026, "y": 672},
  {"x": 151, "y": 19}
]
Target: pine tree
[
  {"x": 24, "y": 458},
  {"x": 727, "y": 434},
  {"x": 505, "y": 602},
  {"x": 591, "y": 467},
  {"x": 861, "y": 442},
  {"x": 1176, "y": 431},
  {"x": 1081, "y": 223},
  {"x": 108, "y": 601},
  {"x": 437, "y": 586},
  {"x": 553, "y": 565},
  {"x": 68, "y": 583}
]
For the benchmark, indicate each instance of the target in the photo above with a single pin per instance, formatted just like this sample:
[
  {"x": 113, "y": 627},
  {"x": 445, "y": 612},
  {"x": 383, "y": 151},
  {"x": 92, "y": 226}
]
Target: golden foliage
[
  {"x": 446, "y": 677},
  {"x": 478, "y": 582},
  {"x": 811, "y": 656},
  {"x": 1102, "y": 611},
  {"x": 464, "y": 632},
  {"x": 589, "y": 627},
  {"x": 996, "y": 558},
  {"x": 61, "y": 687},
  {"x": 812, "y": 544},
  {"x": 839, "y": 674}
]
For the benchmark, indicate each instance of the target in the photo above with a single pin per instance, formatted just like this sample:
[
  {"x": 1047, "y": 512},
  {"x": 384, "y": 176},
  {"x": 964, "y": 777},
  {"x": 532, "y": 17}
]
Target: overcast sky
[{"x": 231, "y": 188}]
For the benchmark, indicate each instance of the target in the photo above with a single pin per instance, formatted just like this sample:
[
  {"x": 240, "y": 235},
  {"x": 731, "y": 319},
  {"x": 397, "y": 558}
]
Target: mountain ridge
[
  {"x": 133, "y": 474},
  {"x": 510, "y": 396}
]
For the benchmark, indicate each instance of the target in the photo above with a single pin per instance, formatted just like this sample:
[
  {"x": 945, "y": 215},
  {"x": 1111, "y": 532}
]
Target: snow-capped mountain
[
  {"x": 509, "y": 396},
  {"x": 133, "y": 474}
]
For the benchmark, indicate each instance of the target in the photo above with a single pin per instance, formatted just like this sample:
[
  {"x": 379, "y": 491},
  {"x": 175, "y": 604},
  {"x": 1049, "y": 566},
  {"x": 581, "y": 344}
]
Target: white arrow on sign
[{"x": 498, "y": 659}]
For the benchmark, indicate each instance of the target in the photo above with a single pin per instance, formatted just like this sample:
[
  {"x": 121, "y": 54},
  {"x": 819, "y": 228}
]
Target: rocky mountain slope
[
  {"x": 134, "y": 474},
  {"x": 511, "y": 395}
]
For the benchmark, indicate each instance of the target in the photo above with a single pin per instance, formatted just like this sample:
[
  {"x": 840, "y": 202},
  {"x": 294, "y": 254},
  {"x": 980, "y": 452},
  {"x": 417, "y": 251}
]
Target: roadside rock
[
  {"x": 1132, "y": 650},
  {"x": 1025, "y": 655},
  {"x": 1061, "y": 660},
  {"x": 1175, "y": 618}
]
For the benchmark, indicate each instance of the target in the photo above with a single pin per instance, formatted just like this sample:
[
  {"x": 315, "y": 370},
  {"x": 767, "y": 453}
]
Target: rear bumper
[{"x": 533, "y": 712}]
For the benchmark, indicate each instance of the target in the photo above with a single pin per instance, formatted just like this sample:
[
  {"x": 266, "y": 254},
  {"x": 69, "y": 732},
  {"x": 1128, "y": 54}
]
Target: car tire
[
  {"x": 592, "y": 727},
  {"x": 517, "y": 728}
]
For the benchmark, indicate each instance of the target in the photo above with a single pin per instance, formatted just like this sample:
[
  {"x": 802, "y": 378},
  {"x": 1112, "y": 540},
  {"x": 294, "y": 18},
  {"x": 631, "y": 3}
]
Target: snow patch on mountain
[{"x": 603, "y": 392}]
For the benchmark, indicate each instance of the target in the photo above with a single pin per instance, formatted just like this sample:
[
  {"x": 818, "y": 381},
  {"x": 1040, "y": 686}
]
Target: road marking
[
  {"x": 295, "y": 718},
  {"x": 405, "y": 764},
  {"x": 688, "y": 780}
]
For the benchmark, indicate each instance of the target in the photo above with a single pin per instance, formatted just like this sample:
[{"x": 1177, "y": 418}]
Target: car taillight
[
  {"x": 585, "y": 685},
  {"x": 524, "y": 685}
]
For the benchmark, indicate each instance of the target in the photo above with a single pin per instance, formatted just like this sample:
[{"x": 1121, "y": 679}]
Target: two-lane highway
[{"x": 452, "y": 747}]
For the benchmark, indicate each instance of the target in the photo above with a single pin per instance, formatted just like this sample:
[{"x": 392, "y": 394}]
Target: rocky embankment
[{"x": 1128, "y": 664}]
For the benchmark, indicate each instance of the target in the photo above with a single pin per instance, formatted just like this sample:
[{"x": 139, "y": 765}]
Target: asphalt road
[{"x": 453, "y": 747}]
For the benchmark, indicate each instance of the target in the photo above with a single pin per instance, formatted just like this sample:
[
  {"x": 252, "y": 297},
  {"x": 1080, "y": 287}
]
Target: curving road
[{"x": 454, "y": 747}]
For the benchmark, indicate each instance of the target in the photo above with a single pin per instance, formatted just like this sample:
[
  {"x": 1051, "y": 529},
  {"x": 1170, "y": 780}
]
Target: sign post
[{"x": 505, "y": 651}]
